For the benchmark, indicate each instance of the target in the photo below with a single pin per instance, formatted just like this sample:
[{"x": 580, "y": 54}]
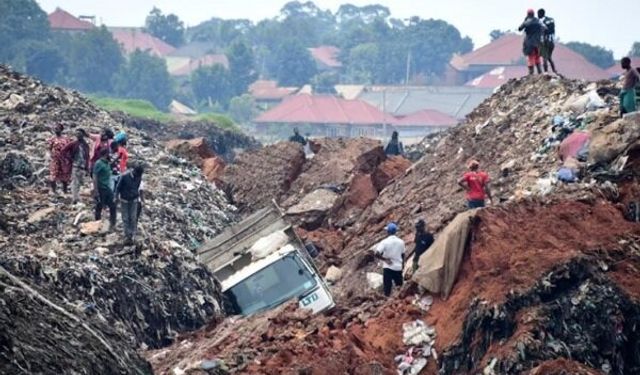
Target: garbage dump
[
  {"x": 546, "y": 277},
  {"x": 40, "y": 335},
  {"x": 224, "y": 143},
  {"x": 145, "y": 293}
]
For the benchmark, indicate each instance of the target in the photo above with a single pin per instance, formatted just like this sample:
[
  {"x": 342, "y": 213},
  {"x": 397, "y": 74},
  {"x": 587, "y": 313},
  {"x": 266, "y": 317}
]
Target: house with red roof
[
  {"x": 332, "y": 116},
  {"x": 268, "y": 94},
  {"x": 326, "y": 57},
  {"x": 61, "y": 20},
  {"x": 134, "y": 38},
  {"x": 506, "y": 52},
  {"x": 184, "y": 66}
]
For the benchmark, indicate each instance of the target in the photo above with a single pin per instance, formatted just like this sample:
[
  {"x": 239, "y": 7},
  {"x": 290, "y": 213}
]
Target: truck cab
[{"x": 261, "y": 263}]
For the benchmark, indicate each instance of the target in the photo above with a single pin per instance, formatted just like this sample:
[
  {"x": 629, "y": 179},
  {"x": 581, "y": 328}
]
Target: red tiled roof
[
  {"x": 507, "y": 50},
  {"x": 269, "y": 90},
  {"x": 616, "y": 70},
  {"x": 63, "y": 20},
  {"x": 326, "y": 55},
  {"x": 498, "y": 76},
  {"x": 206, "y": 60},
  {"x": 132, "y": 39},
  {"x": 324, "y": 109},
  {"x": 426, "y": 117}
]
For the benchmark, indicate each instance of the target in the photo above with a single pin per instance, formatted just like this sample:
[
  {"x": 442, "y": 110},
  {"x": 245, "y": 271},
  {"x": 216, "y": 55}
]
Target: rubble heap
[
  {"x": 547, "y": 278},
  {"x": 38, "y": 336},
  {"x": 224, "y": 143},
  {"x": 146, "y": 293}
]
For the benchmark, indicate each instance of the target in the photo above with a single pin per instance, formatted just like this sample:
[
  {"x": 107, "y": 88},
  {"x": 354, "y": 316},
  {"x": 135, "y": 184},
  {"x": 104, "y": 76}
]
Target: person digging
[{"x": 391, "y": 252}]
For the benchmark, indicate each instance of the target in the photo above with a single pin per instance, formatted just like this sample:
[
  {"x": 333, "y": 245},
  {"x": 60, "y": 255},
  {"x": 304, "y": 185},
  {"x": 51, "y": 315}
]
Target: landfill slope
[
  {"x": 224, "y": 143},
  {"x": 37, "y": 337},
  {"x": 146, "y": 293},
  {"x": 548, "y": 275}
]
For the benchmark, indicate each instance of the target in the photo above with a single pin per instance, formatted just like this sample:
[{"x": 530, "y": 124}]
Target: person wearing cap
[
  {"x": 78, "y": 152},
  {"x": 296, "y": 137},
  {"x": 121, "y": 151},
  {"x": 59, "y": 166},
  {"x": 533, "y": 30},
  {"x": 423, "y": 240},
  {"x": 391, "y": 252},
  {"x": 476, "y": 184}
]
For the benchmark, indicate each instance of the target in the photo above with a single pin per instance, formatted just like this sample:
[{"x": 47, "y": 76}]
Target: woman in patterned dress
[{"x": 60, "y": 166}]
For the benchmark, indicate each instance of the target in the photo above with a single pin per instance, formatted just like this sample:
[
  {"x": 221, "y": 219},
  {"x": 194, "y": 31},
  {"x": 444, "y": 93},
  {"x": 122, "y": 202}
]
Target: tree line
[{"x": 376, "y": 48}]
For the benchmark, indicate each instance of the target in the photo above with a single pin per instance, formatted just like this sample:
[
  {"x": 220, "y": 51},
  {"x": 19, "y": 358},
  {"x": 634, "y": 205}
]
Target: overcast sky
[{"x": 610, "y": 23}]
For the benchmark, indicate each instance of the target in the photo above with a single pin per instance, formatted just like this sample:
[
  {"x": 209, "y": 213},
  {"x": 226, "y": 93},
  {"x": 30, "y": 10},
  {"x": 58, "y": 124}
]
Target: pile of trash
[
  {"x": 223, "y": 143},
  {"x": 147, "y": 292},
  {"x": 38, "y": 335}
]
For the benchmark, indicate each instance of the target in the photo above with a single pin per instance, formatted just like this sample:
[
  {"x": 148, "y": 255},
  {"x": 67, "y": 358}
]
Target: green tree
[
  {"x": 94, "y": 57},
  {"x": 242, "y": 108},
  {"x": 20, "y": 21},
  {"x": 168, "y": 27},
  {"x": 219, "y": 31},
  {"x": 496, "y": 34},
  {"x": 324, "y": 82},
  {"x": 363, "y": 63},
  {"x": 43, "y": 59},
  {"x": 211, "y": 85},
  {"x": 294, "y": 65},
  {"x": 635, "y": 50},
  {"x": 241, "y": 67},
  {"x": 145, "y": 76},
  {"x": 597, "y": 55}
]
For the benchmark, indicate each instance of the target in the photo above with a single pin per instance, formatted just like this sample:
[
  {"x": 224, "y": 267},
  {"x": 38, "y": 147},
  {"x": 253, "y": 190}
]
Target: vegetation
[
  {"x": 635, "y": 50},
  {"x": 145, "y": 76},
  {"x": 168, "y": 28},
  {"x": 133, "y": 107},
  {"x": 597, "y": 55}
]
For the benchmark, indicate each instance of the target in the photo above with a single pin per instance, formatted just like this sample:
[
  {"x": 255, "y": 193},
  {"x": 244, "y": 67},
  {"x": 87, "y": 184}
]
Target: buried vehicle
[{"x": 261, "y": 263}]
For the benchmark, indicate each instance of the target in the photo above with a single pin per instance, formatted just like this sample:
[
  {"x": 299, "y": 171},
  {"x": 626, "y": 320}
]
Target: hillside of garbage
[
  {"x": 145, "y": 294},
  {"x": 544, "y": 279}
]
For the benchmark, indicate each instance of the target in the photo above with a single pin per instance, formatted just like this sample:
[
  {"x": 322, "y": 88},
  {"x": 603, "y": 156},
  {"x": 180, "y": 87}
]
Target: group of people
[
  {"x": 539, "y": 41},
  {"x": 391, "y": 250},
  {"x": 106, "y": 162}
]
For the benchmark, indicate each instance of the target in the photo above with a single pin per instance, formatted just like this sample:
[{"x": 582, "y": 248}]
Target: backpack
[{"x": 550, "y": 24}]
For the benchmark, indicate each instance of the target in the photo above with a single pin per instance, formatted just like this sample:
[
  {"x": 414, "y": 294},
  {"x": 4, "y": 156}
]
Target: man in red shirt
[{"x": 476, "y": 183}]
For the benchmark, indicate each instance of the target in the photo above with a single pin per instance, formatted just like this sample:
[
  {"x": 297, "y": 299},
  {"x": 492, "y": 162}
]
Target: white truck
[{"x": 261, "y": 263}]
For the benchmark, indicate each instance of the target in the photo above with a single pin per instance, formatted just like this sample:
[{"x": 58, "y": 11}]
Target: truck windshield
[{"x": 271, "y": 286}]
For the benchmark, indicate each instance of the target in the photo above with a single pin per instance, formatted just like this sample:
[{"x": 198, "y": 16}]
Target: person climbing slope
[
  {"x": 476, "y": 184},
  {"x": 423, "y": 240}
]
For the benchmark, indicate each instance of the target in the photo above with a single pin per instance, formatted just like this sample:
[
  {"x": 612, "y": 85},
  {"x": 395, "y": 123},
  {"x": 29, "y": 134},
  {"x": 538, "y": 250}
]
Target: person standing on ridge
[
  {"x": 102, "y": 188},
  {"x": 296, "y": 137},
  {"x": 548, "y": 39},
  {"x": 631, "y": 79},
  {"x": 78, "y": 152},
  {"x": 129, "y": 192},
  {"x": 423, "y": 240},
  {"x": 394, "y": 147},
  {"x": 533, "y": 30},
  {"x": 59, "y": 166},
  {"x": 476, "y": 183},
  {"x": 391, "y": 251}
]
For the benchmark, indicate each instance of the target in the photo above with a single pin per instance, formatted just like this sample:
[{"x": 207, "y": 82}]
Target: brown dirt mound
[{"x": 562, "y": 367}]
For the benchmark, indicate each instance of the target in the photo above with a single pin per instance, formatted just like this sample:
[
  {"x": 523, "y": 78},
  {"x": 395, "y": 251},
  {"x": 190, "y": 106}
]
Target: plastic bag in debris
[
  {"x": 417, "y": 333},
  {"x": 374, "y": 280},
  {"x": 566, "y": 175},
  {"x": 409, "y": 365},
  {"x": 588, "y": 101},
  {"x": 269, "y": 244}
]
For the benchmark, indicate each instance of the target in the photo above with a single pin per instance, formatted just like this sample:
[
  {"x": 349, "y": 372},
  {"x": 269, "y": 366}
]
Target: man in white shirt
[{"x": 391, "y": 251}]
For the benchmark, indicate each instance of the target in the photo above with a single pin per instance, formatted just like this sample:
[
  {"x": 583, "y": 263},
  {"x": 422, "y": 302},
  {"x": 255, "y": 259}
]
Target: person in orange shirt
[
  {"x": 476, "y": 184},
  {"x": 122, "y": 155}
]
